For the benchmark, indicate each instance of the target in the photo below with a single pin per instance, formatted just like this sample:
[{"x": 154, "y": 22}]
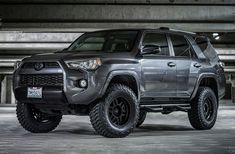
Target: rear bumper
[{"x": 68, "y": 93}]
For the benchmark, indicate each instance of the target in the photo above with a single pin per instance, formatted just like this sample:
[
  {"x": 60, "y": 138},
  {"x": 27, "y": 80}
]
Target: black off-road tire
[
  {"x": 102, "y": 115},
  {"x": 142, "y": 117},
  {"x": 199, "y": 116},
  {"x": 44, "y": 123}
]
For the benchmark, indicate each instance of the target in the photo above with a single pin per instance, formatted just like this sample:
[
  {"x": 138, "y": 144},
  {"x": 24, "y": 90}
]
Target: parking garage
[{"x": 40, "y": 26}]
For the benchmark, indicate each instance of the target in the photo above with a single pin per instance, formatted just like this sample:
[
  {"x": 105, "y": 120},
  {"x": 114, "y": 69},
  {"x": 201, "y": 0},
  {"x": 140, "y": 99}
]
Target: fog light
[{"x": 82, "y": 83}]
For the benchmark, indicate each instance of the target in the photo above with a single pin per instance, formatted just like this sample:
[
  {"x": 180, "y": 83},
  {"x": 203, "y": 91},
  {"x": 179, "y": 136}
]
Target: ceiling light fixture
[{"x": 216, "y": 36}]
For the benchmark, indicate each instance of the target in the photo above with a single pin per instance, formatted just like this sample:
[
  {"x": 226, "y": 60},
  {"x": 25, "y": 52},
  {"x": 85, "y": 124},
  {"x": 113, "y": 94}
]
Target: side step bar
[{"x": 165, "y": 108}]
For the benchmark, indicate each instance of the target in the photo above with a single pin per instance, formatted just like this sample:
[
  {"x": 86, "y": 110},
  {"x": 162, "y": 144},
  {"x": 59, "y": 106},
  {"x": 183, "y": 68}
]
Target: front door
[{"x": 158, "y": 70}]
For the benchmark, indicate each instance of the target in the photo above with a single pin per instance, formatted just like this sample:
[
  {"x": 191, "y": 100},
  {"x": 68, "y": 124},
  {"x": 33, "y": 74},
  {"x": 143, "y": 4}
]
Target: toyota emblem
[{"x": 38, "y": 66}]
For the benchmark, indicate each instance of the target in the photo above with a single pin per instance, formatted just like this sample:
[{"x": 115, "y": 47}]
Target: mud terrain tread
[
  {"x": 195, "y": 115},
  {"x": 98, "y": 118},
  {"x": 28, "y": 123},
  {"x": 142, "y": 117}
]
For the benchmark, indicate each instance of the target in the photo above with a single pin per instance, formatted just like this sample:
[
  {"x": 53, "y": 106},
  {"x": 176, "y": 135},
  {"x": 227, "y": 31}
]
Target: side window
[
  {"x": 181, "y": 46},
  {"x": 202, "y": 43},
  {"x": 157, "y": 39}
]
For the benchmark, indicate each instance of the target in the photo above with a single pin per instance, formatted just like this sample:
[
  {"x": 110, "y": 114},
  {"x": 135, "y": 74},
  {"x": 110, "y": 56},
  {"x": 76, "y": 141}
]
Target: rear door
[
  {"x": 158, "y": 70},
  {"x": 187, "y": 65}
]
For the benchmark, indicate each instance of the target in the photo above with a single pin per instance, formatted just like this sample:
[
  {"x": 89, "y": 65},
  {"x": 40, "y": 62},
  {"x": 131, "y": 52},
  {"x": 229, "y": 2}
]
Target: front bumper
[{"x": 67, "y": 93}]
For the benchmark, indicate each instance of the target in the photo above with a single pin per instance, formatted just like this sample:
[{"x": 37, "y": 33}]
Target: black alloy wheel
[{"x": 119, "y": 111}]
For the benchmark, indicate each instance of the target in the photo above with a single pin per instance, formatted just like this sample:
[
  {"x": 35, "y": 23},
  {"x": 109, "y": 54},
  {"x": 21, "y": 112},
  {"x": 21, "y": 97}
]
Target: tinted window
[
  {"x": 105, "y": 41},
  {"x": 157, "y": 39},
  {"x": 202, "y": 43},
  {"x": 181, "y": 46}
]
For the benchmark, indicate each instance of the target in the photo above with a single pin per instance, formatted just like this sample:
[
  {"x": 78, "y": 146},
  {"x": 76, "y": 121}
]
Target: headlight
[{"x": 89, "y": 64}]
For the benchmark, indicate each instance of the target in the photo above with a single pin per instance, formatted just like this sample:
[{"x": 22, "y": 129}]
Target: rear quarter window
[
  {"x": 207, "y": 49},
  {"x": 202, "y": 43}
]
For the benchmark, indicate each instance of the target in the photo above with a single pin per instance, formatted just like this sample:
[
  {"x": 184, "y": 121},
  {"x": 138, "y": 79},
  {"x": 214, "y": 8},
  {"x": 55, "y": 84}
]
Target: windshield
[{"x": 106, "y": 41}]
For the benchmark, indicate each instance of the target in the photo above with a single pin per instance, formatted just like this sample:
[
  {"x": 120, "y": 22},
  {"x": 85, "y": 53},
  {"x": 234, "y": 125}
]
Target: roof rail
[{"x": 175, "y": 30}]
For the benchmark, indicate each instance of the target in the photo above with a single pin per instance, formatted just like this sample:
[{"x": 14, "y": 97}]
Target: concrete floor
[{"x": 159, "y": 134}]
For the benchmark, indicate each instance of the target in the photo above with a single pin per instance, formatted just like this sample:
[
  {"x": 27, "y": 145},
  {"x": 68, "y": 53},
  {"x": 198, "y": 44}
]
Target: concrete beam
[
  {"x": 227, "y": 57},
  {"x": 8, "y": 64},
  {"x": 6, "y": 71},
  {"x": 229, "y": 69},
  {"x": 187, "y": 17},
  {"x": 215, "y": 2},
  {"x": 49, "y": 37},
  {"x": 225, "y": 51},
  {"x": 76, "y": 27},
  {"x": 33, "y": 46},
  {"x": 117, "y": 13},
  {"x": 24, "y": 52}
]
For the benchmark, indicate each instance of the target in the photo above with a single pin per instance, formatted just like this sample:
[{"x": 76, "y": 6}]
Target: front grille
[
  {"x": 41, "y": 80},
  {"x": 46, "y": 65}
]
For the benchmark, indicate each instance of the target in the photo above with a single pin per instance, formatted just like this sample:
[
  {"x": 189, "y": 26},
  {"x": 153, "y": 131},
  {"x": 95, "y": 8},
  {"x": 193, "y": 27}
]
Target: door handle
[
  {"x": 171, "y": 64},
  {"x": 197, "y": 65}
]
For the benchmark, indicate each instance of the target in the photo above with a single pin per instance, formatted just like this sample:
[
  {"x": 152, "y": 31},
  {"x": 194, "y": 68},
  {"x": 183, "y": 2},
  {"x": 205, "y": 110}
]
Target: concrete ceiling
[
  {"x": 84, "y": 15},
  {"x": 198, "y": 2}
]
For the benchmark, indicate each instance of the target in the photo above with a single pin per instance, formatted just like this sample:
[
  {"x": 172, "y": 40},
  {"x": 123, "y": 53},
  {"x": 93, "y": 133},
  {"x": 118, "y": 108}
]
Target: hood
[{"x": 77, "y": 55}]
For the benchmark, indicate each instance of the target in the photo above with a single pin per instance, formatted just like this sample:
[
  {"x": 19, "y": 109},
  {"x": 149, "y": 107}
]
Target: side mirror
[{"x": 150, "y": 49}]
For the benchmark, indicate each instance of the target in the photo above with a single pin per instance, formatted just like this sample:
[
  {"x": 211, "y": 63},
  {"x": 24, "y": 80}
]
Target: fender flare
[
  {"x": 112, "y": 74},
  {"x": 200, "y": 78}
]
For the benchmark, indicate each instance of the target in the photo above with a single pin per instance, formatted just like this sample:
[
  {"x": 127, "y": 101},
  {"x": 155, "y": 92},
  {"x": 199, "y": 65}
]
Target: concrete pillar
[
  {"x": 233, "y": 94},
  {"x": 233, "y": 90},
  {"x": 7, "y": 96},
  {"x": 231, "y": 80},
  {"x": 3, "y": 90}
]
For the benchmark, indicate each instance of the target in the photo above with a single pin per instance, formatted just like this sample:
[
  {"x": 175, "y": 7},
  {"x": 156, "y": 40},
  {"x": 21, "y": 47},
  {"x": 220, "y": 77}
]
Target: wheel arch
[
  {"x": 208, "y": 80},
  {"x": 128, "y": 78}
]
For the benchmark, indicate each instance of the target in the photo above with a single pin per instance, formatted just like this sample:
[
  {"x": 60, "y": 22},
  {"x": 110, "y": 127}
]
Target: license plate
[{"x": 34, "y": 92}]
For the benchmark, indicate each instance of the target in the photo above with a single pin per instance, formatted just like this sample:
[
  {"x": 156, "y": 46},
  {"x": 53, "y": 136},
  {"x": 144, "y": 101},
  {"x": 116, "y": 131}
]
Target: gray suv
[{"x": 117, "y": 76}]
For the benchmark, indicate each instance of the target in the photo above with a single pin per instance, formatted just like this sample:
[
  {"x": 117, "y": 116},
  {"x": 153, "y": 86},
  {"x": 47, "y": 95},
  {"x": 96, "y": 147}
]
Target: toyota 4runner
[{"x": 117, "y": 76}]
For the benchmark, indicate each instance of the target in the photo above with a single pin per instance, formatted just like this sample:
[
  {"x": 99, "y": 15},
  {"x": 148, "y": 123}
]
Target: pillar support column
[{"x": 7, "y": 95}]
